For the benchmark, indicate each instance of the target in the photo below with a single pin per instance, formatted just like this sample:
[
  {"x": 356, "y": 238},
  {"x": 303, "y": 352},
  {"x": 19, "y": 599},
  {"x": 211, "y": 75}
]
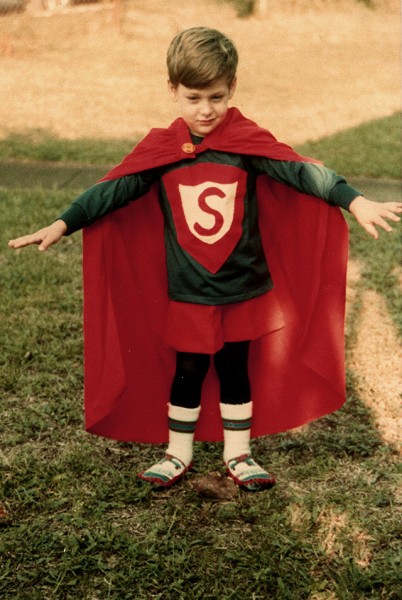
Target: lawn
[{"x": 83, "y": 527}]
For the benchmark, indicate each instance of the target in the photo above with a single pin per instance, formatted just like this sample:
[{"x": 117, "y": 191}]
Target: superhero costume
[{"x": 297, "y": 373}]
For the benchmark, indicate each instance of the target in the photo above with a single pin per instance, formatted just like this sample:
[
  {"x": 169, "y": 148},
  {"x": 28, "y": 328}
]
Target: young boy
[{"x": 224, "y": 255}]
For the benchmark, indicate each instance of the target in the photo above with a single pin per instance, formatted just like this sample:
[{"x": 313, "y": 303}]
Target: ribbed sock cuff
[
  {"x": 236, "y": 419},
  {"x": 183, "y": 420},
  {"x": 182, "y": 424}
]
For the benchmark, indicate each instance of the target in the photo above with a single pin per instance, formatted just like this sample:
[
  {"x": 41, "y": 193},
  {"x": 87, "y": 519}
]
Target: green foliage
[{"x": 243, "y": 8}]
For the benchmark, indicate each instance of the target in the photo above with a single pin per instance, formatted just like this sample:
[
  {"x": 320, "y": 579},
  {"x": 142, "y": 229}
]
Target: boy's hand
[
  {"x": 369, "y": 214},
  {"x": 44, "y": 237}
]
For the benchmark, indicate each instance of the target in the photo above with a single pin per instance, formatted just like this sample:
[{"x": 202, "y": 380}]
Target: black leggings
[{"x": 231, "y": 365}]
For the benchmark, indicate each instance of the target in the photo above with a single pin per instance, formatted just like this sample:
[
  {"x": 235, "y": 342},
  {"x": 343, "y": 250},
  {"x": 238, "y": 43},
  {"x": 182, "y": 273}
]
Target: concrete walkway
[{"x": 53, "y": 176}]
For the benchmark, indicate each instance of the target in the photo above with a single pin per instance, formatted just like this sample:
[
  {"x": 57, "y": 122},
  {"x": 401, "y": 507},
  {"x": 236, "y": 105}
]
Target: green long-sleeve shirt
[
  {"x": 108, "y": 196},
  {"x": 244, "y": 273}
]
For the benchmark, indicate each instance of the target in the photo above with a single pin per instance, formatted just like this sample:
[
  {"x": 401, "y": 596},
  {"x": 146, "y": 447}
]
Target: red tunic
[{"x": 297, "y": 373}]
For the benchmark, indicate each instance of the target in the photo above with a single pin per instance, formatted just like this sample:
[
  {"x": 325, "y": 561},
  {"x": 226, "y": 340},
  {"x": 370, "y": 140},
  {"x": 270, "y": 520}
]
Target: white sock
[
  {"x": 182, "y": 422},
  {"x": 236, "y": 420}
]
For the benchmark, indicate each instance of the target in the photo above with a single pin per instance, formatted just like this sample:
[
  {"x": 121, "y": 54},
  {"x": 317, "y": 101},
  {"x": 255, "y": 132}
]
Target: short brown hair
[{"x": 197, "y": 57}]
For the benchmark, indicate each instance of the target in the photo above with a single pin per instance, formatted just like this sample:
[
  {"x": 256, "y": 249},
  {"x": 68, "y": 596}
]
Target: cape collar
[{"x": 236, "y": 134}]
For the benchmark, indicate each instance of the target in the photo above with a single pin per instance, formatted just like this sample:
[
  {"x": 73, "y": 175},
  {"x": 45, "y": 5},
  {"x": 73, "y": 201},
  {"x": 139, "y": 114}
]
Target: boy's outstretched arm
[
  {"x": 370, "y": 214},
  {"x": 43, "y": 237}
]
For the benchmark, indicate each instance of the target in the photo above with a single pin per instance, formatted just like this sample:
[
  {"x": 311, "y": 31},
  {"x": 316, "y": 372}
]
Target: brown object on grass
[{"x": 216, "y": 486}]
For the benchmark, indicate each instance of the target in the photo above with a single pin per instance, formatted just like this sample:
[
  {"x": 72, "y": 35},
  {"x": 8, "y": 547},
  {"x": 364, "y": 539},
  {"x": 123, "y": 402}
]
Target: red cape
[{"x": 297, "y": 373}]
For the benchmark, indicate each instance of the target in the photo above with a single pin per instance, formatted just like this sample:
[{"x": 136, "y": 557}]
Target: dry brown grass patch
[
  {"x": 376, "y": 359},
  {"x": 303, "y": 72}
]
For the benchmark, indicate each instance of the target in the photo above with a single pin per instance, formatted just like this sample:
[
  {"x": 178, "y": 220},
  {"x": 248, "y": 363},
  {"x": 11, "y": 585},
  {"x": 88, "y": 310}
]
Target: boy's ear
[
  {"x": 172, "y": 91},
  {"x": 232, "y": 87}
]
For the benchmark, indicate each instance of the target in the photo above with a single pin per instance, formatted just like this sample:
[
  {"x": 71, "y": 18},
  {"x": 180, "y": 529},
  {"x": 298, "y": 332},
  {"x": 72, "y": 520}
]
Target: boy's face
[{"x": 203, "y": 109}]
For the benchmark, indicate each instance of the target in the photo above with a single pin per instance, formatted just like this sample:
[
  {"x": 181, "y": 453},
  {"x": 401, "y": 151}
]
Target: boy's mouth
[{"x": 206, "y": 121}]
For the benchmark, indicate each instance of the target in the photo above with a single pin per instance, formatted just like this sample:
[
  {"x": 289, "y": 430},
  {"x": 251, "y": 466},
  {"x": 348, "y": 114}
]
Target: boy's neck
[{"x": 196, "y": 139}]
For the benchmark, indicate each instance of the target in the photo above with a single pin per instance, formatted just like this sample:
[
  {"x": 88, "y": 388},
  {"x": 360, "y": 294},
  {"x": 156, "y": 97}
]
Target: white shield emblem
[
  {"x": 207, "y": 204},
  {"x": 209, "y": 209}
]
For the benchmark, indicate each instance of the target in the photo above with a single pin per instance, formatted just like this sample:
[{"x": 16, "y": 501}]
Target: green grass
[
  {"x": 380, "y": 263},
  {"x": 39, "y": 145},
  {"x": 83, "y": 527},
  {"x": 371, "y": 150}
]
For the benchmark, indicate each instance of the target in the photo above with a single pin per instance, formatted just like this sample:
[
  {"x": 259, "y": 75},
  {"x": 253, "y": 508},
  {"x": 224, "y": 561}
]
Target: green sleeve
[
  {"x": 308, "y": 178},
  {"x": 104, "y": 198}
]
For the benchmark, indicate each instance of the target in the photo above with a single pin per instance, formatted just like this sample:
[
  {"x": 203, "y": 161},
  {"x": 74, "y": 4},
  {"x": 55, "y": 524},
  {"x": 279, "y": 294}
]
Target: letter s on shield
[{"x": 207, "y": 202}]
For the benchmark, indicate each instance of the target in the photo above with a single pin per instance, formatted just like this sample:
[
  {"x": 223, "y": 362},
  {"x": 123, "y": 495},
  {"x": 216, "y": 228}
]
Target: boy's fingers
[
  {"x": 396, "y": 206},
  {"x": 372, "y": 231},
  {"x": 45, "y": 244},
  {"x": 392, "y": 216},
  {"x": 45, "y": 241},
  {"x": 42, "y": 237},
  {"x": 382, "y": 223},
  {"x": 379, "y": 222},
  {"x": 25, "y": 240},
  {"x": 49, "y": 240}
]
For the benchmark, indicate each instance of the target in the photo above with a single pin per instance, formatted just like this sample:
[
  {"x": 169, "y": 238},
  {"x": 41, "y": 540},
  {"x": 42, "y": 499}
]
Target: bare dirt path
[{"x": 376, "y": 359}]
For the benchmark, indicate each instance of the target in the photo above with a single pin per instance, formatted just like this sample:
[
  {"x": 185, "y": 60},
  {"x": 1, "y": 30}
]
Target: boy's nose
[{"x": 206, "y": 108}]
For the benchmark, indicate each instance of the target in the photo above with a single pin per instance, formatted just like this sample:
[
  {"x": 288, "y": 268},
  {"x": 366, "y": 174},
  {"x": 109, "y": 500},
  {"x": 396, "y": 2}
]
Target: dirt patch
[
  {"x": 375, "y": 357},
  {"x": 334, "y": 529},
  {"x": 306, "y": 69},
  {"x": 376, "y": 360}
]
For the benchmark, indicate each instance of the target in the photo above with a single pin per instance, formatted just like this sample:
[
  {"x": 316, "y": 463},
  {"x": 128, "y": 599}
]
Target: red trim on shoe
[
  {"x": 255, "y": 483},
  {"x": 158, "y": 481}
]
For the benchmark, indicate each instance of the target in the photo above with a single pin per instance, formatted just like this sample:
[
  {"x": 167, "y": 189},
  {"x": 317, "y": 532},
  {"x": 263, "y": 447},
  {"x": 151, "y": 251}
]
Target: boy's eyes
[{"x": 196, "y": 98}]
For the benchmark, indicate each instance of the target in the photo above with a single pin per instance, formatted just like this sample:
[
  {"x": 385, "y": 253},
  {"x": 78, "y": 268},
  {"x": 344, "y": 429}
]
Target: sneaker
[
  {"x": 248, "y": 474},
  {"x": 166, "y": 472}
]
